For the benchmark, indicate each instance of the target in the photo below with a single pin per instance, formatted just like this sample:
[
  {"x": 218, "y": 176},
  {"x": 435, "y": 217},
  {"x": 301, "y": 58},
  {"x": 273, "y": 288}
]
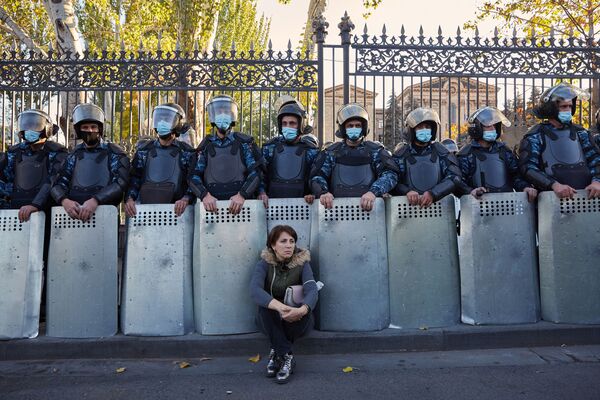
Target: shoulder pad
[
  {"x": 184, "y": 146},
  {"x": 334, "y": 146},
  {"x": 440, "y": 148},
  {"x": 579, "y": 127},
  {"x": 373, "y": 145},
  {"x": 13, "y": 148},
  {"x": 308, "y": 142},
  {"x": 203, "y": 143},
  {"x": 400, "y": 149},
  {"x": 465, "y": 150},
  {"x": 274, "y": 140},
  {"x": 242, "y": 137},
  {"x": 143, "y": 144},
  {"x": 533, "y": 130},
  {"x": 115, "y": 148},
  {"x": 55, "y": 146}
]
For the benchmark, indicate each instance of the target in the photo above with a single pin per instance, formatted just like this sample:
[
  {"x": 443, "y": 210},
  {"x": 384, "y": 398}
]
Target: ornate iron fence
[
  {"x": 390, "y": 75},
  {"x": 129, "y": 85}
]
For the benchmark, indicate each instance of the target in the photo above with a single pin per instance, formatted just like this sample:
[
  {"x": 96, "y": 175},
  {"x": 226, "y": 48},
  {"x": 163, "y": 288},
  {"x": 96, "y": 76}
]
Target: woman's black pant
[{"x": 281, "y": 333}]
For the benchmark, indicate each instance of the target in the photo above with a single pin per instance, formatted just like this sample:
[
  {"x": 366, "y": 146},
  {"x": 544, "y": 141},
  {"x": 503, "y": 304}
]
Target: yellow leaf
[
  {"x": 184, "y": 364},
  {"x": 255, "y": 359},
  {"x": 348, "y": 369},
  {"x": 121, "y": 370}
]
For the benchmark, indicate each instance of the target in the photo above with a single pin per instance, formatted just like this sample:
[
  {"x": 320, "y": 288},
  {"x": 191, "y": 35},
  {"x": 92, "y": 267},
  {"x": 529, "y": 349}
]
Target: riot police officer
[
  {"x": 486, "y": 164},
  {"x": 161, "y": 167},
  {"x": 229, "y": 163},
  {"x": 289, "y": 156},
  {"x": 96, "y": 172},
  {"x": 354, "y": 167},
  {"x": 31, "y": 166},
  {"x": 428, "y": 171},
  {"x": 556, "y": 154}
]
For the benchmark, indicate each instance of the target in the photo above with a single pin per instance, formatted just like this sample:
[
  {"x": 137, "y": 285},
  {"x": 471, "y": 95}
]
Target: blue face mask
[
  {"x": 489, "y": 136},
  {"x": 223, "y": 121},
  {"x": 565, "y": 117},
  {"x": 31, "y": 136},
  {"x": 289, "y": 133},
  {"x": 423, "y": 135},
  {"x": 163, "y": 128},
  {"x": 353, "y": 133}
]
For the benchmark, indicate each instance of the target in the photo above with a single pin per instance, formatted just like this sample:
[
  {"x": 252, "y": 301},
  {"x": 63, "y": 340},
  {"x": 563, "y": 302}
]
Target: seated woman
[{"x": 283, "y": 265}]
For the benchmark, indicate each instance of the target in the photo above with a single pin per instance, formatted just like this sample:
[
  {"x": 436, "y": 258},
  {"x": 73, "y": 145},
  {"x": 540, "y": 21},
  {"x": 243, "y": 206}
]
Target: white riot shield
[
  {"x": 351, "y": 260},
  {"x": 82, "y": 285},
  {"x": 423, "y": 263},
  {"x": 157, "y": 275},
  {"x": 21, "y": 264},
  {"x": 226, "y": 250},
  {"x": 498, "y": 260},
  {"x": 293, "y": 212},
  {"x": 569, "y": 235}
]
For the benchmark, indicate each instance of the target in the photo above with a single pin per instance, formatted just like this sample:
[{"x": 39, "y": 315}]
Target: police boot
[
  {"x": 273, "y": 364},
  {"x": 287, "y": 368}
]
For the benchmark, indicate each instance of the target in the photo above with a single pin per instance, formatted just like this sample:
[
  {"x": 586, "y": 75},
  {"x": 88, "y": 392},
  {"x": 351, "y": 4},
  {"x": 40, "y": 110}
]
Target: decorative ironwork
[
  {"x": 487, "y": 57},
  {"x": 217, "y": 70}
]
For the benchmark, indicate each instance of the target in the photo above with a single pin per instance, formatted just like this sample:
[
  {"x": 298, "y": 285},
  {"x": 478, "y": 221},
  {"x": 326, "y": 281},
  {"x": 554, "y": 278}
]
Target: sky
[{"x": 287, "y": 21}]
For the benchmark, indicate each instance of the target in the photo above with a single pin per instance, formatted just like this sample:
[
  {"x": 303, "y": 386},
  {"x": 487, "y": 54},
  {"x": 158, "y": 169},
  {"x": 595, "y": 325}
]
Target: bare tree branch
[
  {"x": 573, "y": 20},
  {"x": 19, "y": 33}
]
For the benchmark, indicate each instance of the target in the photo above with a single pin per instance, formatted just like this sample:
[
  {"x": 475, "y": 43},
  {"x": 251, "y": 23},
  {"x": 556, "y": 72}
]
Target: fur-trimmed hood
[{"x": 298, "y": 259}]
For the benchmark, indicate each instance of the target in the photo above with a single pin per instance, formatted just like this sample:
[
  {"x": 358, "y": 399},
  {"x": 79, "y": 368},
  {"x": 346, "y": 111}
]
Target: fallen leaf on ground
[
  {"x": 205, "y": 359},
  {"x": 121, "y": 370},
  {"x": 423, "y": 328},
  {"x": 255, "y": 359},
  {"x": 184, "y": 364},
  {"x": 348, "y": 369},
  {"x": 229, "y": 392}
]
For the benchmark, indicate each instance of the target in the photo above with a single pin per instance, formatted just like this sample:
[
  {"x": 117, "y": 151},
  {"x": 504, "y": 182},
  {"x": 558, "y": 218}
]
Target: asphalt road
[{"x": 536, "y": 373}]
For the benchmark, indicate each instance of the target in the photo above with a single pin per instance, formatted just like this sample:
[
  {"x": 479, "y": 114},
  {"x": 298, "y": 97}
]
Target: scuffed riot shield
[
  {"x": 226, "y": 250},
  {"x": 21, "y": 264},
  {"x": 423, "y": 263},
  {"x": 157, "y": 275},
  {"x": 293, "y": 212},
  {"x": 498, "y": 260},
  {"x": 82, "y": 285},
  {"x": 569, "y": 236},
  {"x": 352, "y": 263}
]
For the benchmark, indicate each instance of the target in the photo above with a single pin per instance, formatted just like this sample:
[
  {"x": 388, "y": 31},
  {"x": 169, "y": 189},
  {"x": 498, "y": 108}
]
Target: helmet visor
[
  {"x": 489, "y": 116},
  {"x": 418, "y": 115},
  {"x": 351, "y": 111},
  {"x": 222, "y": 105},
  {"x": 565, "y": 91},
  {"x": 32, "y": 120},
  {"x": 165, "y": 115}
]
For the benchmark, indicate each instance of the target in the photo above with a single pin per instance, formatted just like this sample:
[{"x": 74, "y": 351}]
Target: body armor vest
[
  {"x": 225, "y": 171},
  {"x": 352, "y": 175},
  {"x": 491, "y": 172},
  {"x": 163, "y": 183},
  {"x": 31, "y": 171},
  {"x": 287, "y": 172},
  {"x": 423, "y": 171},
  {"x": 90, "y": 175},
  {"x": 563, "y": 157}
]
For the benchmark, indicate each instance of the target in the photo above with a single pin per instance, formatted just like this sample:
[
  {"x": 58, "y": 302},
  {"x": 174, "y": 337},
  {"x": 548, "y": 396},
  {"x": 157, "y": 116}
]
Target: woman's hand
[{"x": 294, "y": 314}]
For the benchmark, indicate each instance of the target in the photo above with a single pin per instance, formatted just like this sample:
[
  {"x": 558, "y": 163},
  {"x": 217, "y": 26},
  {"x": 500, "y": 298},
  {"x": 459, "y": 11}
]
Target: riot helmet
[
  {"x": 450, "y": 145},
  {"x": 168, "y": 119},
  {"x": 486, "y": 116},
  {"x": 222, "y": 112},
  {"x": 598, "y": 120},
  {"x": 352, "y": 111},
  {"x": 548, "y": 107},
  {"x": 296, "y": 110},
  {"x": 418, "y": 116},
  {"x": 34, "y": 125},
  {"x": 87, "y": 113}
]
